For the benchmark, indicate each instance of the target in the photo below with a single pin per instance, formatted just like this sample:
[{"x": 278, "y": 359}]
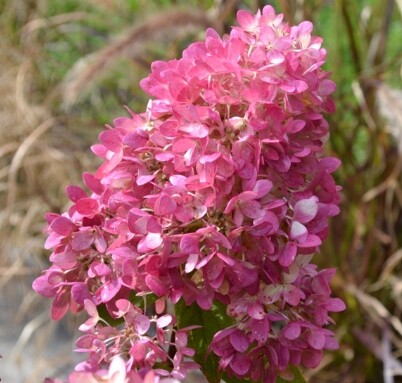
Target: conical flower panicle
[{"x": 219, "y": 191}]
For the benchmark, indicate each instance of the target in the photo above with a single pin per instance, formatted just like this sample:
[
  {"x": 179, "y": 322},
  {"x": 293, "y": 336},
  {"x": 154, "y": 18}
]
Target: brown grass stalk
[{"x": 131, "y": 44}]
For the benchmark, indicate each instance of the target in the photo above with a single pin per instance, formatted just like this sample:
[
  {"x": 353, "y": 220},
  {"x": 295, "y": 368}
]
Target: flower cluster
[{"x": 218, "y": 192}]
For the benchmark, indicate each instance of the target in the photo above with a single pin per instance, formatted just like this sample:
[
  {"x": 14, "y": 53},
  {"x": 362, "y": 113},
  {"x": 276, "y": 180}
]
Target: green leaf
[
  {"x": 199, "y": 339},
  {"x": 104, "y": 314},
  {"x": 233, "y": 379},
  {"x": 297, "y": 377},
  {"x": 211, "y": 321},
  {"x": 134, "y": 299}
]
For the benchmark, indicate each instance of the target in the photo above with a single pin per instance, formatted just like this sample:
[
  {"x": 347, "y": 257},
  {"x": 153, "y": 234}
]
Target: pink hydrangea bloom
[
  {"x": 117, "y": 373},
  {"x": 219, "y": 191}
]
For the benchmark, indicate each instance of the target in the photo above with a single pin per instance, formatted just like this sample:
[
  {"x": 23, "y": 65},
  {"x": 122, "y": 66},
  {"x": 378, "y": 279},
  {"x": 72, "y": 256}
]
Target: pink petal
[
  {"x": 220, "y": 239},
  {"x": 306, "y": 209},
  {"x": 331, "y": 344},
  {"x": 165, "y": 205},
  {"x": 100, "y": 243},
  {"x": 200, "y": 211},
  {"x": 81, "y": 377},
  {"x": 195, "y": 130},
  {"x": 191, "y": 262},
  {"x": 98, "y": 269},
  {"x": 190, "y": 244},
  {"x": 312, "y": 240},
  {"x": 251, "y": 209},
  {"x": 160, "y": 305},
  {"x": 311, "y": 358},
  {"x": 141, "y": 324},
  {"x": 260, "y": 330},
  {"x": 111, "y": 140},
  {"x": 247, "y": 196},
  {"x": 117, "y": 370},
  {"x": 275, "y": 57},
  {"x": 139, "y": 350},
  {"x": 184, "y": 213},
  {"x": 60, "y": 305},
  {"x": 209, "y": 158},
  {"x": 272, "y": 293},
  {"x": 168, "y": 128},
  {"x": 246, "y": 20},
  {"x": 66, "y": 260},
  {"x": 42, "y": 286},
  {"x": 298, "y": 232},
  {"x": 178, "y": 180},
  {"x": 55, "y": 277},
  {"x": 221, "y": 334},
  {"x": 124, "y": 306},
  {"x": 292, "y": 331},
  {"x": 292, "y": 295},
  {"x": 240, "y": 364},
  {"x": 151, "y": 378},
  {"x": 316, "y": 340},
  {"x": 144, "y": 179},
  {"x": 327, "y": 87},
  {"x": 75, "y": 193},
  {"x": 256, "y": 311},
  {"x": 297, "y": 126},
  {"x": 181, "y": 339},
  {"x": 109, "y": 165},
  {"x": 150, "y": 242},
  {"x": 304, "y": 29},
  {"x": 329, "y": 164},
  {"x": 231, "y": 205},
  {"x": 137, "y": 225},
  {"x": 90, "y": 308},
  {"x": 99, "y": 150},
  {"x": 92, "y": 183},
  {"x": 262, "y": 188},
  {"x": 82, "y": 240},
  {"x": 182, "y": 145},
  {"x": 87, "y": 206},
  {"x": 335, "y": 305},
  {"x": 62, "y": 226},
  {"x": 214, "y": 269},
  {"x": 109, "y": 290},
  {"x": 228, "y": 260},
  {"x": 154, "y": 225},
  {"x": 288, "y": 255},
  {"x": 164, "y": 321},
  {"x": 88, "y": 324},
  {"x": 156, "y": 286},
  {"x": 239, "y": 341},
  {"x": 134, "y": 140},
  {"x": 81, "y": 293}
]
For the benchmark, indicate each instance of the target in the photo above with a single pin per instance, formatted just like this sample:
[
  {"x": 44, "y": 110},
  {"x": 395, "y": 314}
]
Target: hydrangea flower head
[{"x": 218, "y": 192}]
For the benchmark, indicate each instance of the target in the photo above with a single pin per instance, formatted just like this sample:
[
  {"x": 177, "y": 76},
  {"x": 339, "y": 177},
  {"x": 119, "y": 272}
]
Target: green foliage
[
  {"x": 211, "y": 322},
  {"x": 297, "y": 377},
  {"x": 104, "y": 314},
  {"x": 143, "y": 302}
]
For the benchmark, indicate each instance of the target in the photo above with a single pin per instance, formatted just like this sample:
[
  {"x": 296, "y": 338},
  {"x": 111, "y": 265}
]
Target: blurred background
[{"x": 67, "y": 67}]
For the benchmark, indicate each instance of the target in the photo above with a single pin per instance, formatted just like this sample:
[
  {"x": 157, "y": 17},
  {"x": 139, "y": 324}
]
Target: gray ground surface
[{"x": 32, "y": 346}]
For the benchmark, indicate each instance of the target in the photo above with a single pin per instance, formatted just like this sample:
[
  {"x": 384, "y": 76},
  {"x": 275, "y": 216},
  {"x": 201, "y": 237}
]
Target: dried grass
[
  {"x": 43, "y": 148},
  {"x": 131, "y": 44}
]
